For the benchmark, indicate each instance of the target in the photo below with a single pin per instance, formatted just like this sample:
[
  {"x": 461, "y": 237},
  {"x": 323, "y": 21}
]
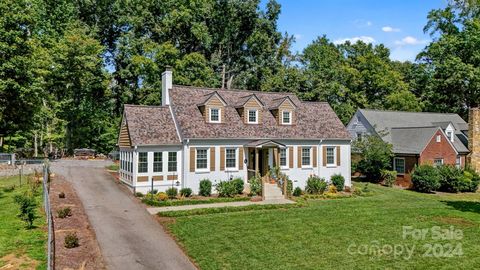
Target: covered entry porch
[{"x": 263, "y": 155}]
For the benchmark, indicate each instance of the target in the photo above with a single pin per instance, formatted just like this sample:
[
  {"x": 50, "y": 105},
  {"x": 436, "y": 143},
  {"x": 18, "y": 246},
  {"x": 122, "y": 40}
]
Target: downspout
[
  {"x": 319, "y": 152},
  {"x": 134, "y": 169},
  {"x": 185, "y": 147}
]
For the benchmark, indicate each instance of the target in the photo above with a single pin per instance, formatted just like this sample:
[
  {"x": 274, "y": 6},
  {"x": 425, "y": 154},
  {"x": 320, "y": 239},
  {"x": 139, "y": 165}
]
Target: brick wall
[
  {"x": 442, "y": 149},
  {"x": 405, "y": 180}
]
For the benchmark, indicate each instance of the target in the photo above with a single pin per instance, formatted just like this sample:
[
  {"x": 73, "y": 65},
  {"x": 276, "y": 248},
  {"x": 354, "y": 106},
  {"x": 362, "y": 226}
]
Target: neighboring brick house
[
  {"x": 220, "y": 134},
  {"x": 416, "y": 137}
]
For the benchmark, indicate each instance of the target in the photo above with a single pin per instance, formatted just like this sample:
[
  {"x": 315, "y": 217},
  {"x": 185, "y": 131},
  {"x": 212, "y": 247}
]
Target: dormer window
[
  {"x": 252, "y": 116},
  {"x": 450, "y": 135},
  {"x": 215, "y": 115},
  {"x": 286, "y": 117}
]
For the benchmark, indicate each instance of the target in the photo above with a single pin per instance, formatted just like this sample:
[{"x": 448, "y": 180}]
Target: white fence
[{"x": 48, "y": 212}]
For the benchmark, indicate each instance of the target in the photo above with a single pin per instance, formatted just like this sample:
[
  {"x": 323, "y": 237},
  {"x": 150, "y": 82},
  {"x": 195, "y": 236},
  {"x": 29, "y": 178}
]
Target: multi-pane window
[
  {"x": 172, "y": 161},
  {"x": 438, "y": 162},
  {"x": 283, "y": 157},
  {"x": 439, "y": 138},
  {"x": 330, "y": 155},
  {"x": 201, "y": 158},
  {"x": 214, "y": 115},
  {"x": 306, "y": 156},
  {"x": 286, "y": 117},
  {"x": 230, "y": 158},
  {"x": 252, "y": 116},
  {"x": 157, "y": 162},
  {"x": 399, "y": 165},
  {"x": 142, "y": 162}
]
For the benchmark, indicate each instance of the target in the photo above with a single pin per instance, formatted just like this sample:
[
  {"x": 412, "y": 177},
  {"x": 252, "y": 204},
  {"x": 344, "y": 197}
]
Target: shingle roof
[
  {"x": 410, "y": 122},
  {"x": 313, "y": 120},
  {"x": 411, "y": 140},
  {"x": 150, "y": 125}
]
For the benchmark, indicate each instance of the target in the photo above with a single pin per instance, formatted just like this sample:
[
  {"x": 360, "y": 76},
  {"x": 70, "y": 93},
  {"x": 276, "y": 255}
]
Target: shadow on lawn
[{"x": 464, "y": 206}]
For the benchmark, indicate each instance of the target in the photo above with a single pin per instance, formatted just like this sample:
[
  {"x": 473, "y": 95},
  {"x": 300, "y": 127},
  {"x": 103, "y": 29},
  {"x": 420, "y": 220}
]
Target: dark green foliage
[
  {"x": 71, "y": 240},
  {"x": 205, "y": 188},
  {"x": 255, "y": 186},
  {"x": 425, "y": 178},
  {"x": 451, "y": 179},
  {"x": 226, "y": 189},
  {"x": 64, "y": 212},
  {"x": 238, "y": 183},
  {"x": 172, "y": 192},
  {"x": 376, "y": 156},
  {"x": 139, "y": 194},
  {"x": 315, "y": 185},
  {"x": 186, "y": 192},
  {"x": 153, "y": 191},
  {"x": 27, "y": 207},
  {"x": 338, "y": 181},
  {"x": 297, "y": 192}
]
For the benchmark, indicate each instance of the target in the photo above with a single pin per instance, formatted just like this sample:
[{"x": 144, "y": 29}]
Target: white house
[{"x": 218, "y": 134}]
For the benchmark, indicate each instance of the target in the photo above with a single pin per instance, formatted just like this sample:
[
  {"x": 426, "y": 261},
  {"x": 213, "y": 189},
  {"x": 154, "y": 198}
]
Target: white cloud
[
  {"x": 365, "y": 39},
  {"x": 409, "y": 40},
  {"x": 390, "y": 29}
]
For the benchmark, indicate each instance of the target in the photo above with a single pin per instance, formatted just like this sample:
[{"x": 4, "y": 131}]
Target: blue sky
[{"x": 397, "y": 24}]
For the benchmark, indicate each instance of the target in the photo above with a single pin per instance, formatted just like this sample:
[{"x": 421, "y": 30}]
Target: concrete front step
[{"x": 272, "y": 192}]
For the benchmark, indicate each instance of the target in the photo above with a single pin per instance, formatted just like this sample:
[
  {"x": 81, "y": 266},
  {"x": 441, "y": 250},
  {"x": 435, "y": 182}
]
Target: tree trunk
[{"x": 35, "y": 146}]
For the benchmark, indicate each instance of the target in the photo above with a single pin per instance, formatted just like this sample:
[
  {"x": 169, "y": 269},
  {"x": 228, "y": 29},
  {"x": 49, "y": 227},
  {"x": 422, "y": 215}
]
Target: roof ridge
[
  {"x": 377, "y": 110},
  {"x": 415, "y": 127},
  {"x": 147, "y": 106},
  {"x": 231, "y": 90}
]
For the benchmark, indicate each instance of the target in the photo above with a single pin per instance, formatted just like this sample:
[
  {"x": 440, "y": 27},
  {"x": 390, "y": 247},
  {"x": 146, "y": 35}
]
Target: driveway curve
[{"x": 128, "y": 236}]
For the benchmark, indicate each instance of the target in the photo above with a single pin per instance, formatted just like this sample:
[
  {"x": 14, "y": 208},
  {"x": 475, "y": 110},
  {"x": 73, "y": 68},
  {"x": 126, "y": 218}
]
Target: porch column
[{"x": 256, "y": 161}]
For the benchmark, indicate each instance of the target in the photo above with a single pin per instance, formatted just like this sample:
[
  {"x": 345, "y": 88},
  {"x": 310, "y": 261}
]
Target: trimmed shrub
[
  {"x": 297, "y": 192},
  {"x": 389, "y": 177},
  {"x": 172, "y": 192},
  {"x": 186, "y": 192},
  {"x": 205, "y": 188},
  {"x": 71, "y": 240},
  {"x": 161, "y": 196},
  {"x": 27, "y": 206},
  {"x": 153, "y": 191},
  {"x": 425, "y": 178},
  {"x": 61, "y": 195},
  {"x": 315, "y": 185},
  {"x": 255, "y": 186},
  {"x": 338, "y": 181},
  {"x": 238, "y": 183},
  {"x": 474, "y": 178},
  {"x": 289, "y": 187},
  {"x": 226, "y": 189},
  {"x": 64, "y": 212},
  {"x": 451, "y": 178},
  {"x": 332, "y": 189},
  {"x": 139, "y": 194}
]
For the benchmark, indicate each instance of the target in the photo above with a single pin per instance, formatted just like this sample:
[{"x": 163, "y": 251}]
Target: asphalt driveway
[{"x": 128, "y": 235}]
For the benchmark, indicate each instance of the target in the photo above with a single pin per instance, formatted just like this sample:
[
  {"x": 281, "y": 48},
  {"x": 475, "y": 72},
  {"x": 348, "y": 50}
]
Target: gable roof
[
  {"x": 411, "y": 140},
  {"x": 279, "y": 101},
  {"x": 315, "y": 120},
  {"x": 150, "y": 125},
  {"x": 209, "y": 96},
  {"x": 412, "y": 127},
  {"x": 243, "y": 100}
]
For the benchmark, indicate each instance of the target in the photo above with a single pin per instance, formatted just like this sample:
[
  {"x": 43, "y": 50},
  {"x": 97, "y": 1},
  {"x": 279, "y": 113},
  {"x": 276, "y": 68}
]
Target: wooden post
[
  {"x": 256, "y": 161},
  {"x": 285, "y": 185}
]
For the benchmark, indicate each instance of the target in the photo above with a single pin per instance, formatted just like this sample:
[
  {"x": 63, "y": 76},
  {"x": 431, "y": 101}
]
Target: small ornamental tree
[{"x": 376, "y": 156}]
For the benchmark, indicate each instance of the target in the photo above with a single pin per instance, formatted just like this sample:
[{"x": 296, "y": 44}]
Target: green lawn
[
  {"x": 318, "y": 235},
  {"x": 14, "y": 237}
]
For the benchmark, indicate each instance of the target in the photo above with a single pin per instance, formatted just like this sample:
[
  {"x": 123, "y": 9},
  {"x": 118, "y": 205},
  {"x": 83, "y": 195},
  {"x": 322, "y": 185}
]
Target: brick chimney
[
  {"x": 166, "y": 85},
  {"x": 474, "y": 138}
]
